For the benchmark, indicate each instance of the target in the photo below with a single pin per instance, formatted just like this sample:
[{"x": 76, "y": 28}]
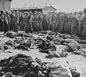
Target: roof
[
  {"x": 41, "y": 7},
  {"x": 5, "y": 0},
  {"x": 49, "y": 7}
]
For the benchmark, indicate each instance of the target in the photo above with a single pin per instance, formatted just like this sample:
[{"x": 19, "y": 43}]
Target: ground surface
[{"x": 74, "y": 60}]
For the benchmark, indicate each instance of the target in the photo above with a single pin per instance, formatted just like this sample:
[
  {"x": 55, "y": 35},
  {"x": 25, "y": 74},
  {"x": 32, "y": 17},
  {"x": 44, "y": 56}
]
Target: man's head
[{"x": 8, "y": 74}]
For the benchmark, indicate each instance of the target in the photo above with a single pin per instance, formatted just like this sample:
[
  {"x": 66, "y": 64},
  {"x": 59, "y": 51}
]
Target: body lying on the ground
[{"x": 25, "y": 66}]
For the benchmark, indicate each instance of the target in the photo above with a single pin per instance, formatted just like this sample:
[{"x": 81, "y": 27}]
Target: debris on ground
[
  {"x": 26, "y": 66},
  {"x": 45, "y": 41}
]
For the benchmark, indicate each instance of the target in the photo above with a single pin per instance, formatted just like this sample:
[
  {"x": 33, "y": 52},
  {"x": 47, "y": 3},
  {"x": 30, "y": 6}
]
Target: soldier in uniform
[
  {"x": 28, "y": 27},
  {"x": 74, "y": 25},
  {"x": 40, "y": 20},
  {"x": 45, "y": 23},
  {"x": 80, "y": 28},
  {"x": 6, "y": 21},
  {"x": 1, "y": 22}
]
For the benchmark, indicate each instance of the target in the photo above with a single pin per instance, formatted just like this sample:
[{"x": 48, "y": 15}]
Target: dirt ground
[{"x": 77, "y": 61}]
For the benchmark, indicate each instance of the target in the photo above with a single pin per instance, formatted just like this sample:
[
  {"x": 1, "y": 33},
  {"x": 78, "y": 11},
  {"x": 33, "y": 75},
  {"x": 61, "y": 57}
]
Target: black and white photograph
[{"x": 42, "y": 38}]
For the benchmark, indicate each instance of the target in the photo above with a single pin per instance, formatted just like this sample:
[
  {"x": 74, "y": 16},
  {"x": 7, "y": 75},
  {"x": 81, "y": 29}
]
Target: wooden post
[{"x": 4, "y": 5}]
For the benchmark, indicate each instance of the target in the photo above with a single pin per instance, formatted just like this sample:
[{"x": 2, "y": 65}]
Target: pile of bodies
[
  {"x": 19, "y": 41},
  {"x": 45, "y": 42},
  {"x": 49, "y": 44},
  {"x": 25, "y": 66}
]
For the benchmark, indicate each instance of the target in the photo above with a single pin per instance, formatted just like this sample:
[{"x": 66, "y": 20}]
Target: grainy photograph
[{"x": 42, "y": 38}]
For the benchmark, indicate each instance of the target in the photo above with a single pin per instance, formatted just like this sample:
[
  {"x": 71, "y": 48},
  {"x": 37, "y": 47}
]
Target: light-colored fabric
[{"x": 59, "y": 71}]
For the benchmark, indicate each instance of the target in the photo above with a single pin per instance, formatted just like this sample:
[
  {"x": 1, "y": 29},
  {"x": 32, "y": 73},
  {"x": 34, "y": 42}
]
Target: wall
[
  {"x": 6, "y": 6},
  {"x": 1, "y": 5}
]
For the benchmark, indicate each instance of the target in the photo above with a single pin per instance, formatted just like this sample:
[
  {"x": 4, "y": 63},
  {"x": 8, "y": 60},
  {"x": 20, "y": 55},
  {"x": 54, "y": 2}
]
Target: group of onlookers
[{"x": 74, "y": 23}]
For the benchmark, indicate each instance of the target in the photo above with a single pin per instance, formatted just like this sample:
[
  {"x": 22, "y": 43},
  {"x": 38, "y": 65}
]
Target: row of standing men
[
  {"x": 57, "y": 22},
  {"x": 30, "y": 22}
]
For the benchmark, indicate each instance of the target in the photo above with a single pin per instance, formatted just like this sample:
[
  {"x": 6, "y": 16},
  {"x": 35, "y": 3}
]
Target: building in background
[
  {"x": 5, "y": 5},
  {"x": 45, "y": 9},
  {"x": 48, "y": 9}
]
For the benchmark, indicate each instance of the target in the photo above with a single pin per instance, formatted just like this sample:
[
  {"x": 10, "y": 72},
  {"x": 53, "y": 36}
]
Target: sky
[{"x": 60, "y": 5}]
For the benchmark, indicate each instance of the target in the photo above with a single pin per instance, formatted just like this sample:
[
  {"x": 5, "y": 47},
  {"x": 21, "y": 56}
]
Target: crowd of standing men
[
  {"x": 7, "y": 22},
  {"x": 32, "y": 22}
]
